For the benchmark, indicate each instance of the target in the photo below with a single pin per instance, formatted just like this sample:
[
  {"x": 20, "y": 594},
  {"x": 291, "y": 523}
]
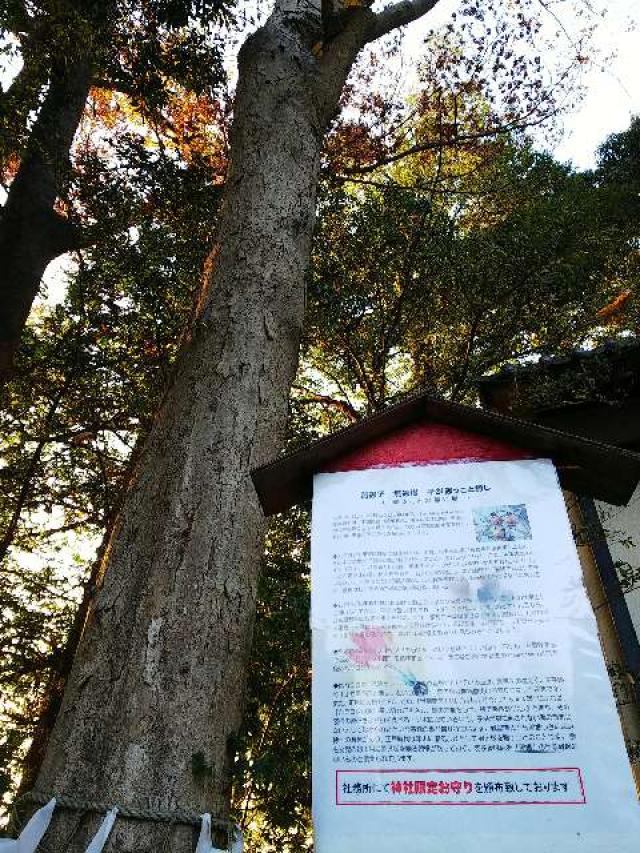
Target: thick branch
[
  {"x": 64, "y": 236},
  {"x": 339, "y": 55},
  {"x": 31, "y": 233},
  {"x": 398, "y": 15}
]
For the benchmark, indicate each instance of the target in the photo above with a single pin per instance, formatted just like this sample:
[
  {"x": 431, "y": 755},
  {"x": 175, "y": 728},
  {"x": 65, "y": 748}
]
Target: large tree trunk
[
  {"x": 32, "y": 233},
  {"x": 154, "y": 697}
]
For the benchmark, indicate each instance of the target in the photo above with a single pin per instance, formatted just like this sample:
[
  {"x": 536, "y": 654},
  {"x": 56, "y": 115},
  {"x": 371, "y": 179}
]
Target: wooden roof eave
[{"x": 585, "y": 466}]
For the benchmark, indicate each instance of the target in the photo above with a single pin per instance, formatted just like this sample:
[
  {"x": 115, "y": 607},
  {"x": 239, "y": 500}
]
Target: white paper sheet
[
  {"x": 32, "y": 833},
  {"x": 459, "y": 689}
]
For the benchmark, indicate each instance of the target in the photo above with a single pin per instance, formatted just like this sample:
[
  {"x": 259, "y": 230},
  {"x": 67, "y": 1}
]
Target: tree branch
[
  {"x": 431, "y": 145},
  {"x": 324, "y": 400},
  {"x": 450, "y": 142},
  {"x": 398, "y": 15},
  {"x": 114, "y": 86},
  {"x": 24, "y": 494}
]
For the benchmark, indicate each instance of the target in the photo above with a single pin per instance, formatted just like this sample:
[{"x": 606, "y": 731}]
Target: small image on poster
[{"x": 501, "y": 523}]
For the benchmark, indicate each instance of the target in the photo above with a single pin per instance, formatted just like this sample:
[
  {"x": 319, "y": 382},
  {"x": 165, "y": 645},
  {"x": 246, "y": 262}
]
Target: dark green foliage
[
  {"x": 433, "y": 288},
  {"x": 619, "y": 160},
  {"x": 143, "y": 48},
  {"x": 272, "y": 785},
  {"x": 516, "y": 261},
  {"x": 175, "y": 40}
]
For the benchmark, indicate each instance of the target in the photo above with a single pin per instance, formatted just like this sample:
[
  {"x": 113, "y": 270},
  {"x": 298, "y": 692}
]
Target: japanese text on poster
[{"x": 456, "y": 663}]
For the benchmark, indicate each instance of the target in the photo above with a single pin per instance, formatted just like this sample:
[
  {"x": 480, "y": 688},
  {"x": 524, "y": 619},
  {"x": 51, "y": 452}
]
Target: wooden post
[{"x": 622, "y": 686}]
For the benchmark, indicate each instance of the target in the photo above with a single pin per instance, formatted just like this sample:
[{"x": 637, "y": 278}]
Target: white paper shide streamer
[
  {"x": 33, "y": 832},
  {"x": 100, "y": 838},
  {"x": 35, "y": 829},
  {"x": 205, "y": 845}
]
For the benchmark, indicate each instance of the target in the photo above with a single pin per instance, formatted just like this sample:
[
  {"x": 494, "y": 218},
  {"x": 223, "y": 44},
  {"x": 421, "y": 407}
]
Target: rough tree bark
[{"x": 160, "y": 670}]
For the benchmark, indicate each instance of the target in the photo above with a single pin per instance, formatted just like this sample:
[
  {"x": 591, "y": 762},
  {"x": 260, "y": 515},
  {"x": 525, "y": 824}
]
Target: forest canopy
[{"x": 446, "y": 246}]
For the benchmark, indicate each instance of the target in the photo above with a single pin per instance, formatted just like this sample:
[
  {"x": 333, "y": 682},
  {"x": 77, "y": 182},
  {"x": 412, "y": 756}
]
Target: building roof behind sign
[
  {"x": 584, "y": 466},
  {"x": 594, "y": 393}
]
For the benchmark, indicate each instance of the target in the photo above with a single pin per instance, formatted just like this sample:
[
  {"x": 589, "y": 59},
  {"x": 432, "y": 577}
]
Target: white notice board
[{"x": 460, "y": 696}]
